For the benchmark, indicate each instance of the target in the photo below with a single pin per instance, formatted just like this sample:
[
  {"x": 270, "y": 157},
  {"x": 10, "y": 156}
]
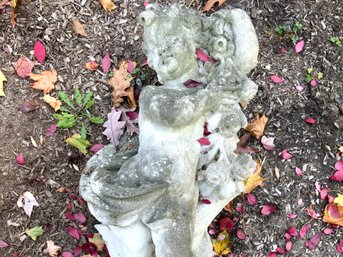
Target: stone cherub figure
[{"x": 147, "y": 197}]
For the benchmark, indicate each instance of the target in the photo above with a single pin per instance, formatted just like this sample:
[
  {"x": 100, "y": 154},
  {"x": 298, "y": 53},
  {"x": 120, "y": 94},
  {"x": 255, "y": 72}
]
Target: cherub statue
[{"x": 147, "y": 198}]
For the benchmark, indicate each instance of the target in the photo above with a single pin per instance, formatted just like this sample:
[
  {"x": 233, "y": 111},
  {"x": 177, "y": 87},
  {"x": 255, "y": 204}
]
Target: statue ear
[{"x": 245, "y": 40}]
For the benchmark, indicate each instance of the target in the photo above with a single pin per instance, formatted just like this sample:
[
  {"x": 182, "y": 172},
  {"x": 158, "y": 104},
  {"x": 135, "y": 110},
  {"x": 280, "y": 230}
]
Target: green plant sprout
[
  {"x": 290, "y": 31},
  {"x": 313, "y": 77},
  {"x": 336, "y": 41}
]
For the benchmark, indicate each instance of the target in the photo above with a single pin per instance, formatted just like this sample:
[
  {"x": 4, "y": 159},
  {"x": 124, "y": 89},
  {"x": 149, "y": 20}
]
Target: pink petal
[
  {"x": 69, "y": 216},
  {"x": 20, "y": 159},
  {"x": 73, "y": 232},
  {"x": 15, "y": 255},
  {"x": 339, "y": 165},
  {"x": 310, "y": 120},
  {"x": 317, "y": 185},
  {"x": 203, "y": 57},
  {"x": 314, "y": 241},
  {"x": 337, "y": 176},
  {"x": 300, "y": 202},
  {"x": 339, "y": 246},
  {"x": 204, "y": 141},
  {"x": 51, "y": 130},
  {"x": 276, "y": 79},
  {"x": 282, "y": 50},
  {"x": 212, "y": 231},
  {"x": 39, "y": 52},
  {"x": 313, "y": 83},
  {"x": 131, "y": 66},
  {"x": 298, "y": 171},
  {"x": 146, "y": 4},
  {"x": 192, "y": 83},
  {"x": 324, "y": 192},
  {"x": 286, "y": 155},
  {"x": 287, "y": 236},
  {"x": 330, "y": 198},
  {"x": 280, "y": 250},
  {"x": 312, "y": 213},
  {"x": 299, "y": 46},
  {"x": 289, "y": 246},
  {"x": 205, "y": 201},
  {"x": 292, "y": 231},
  {"x": 271, "y": 254},
  {"x": 240, "y": 208},
  {"x": 328, "y": 231},
  {"x": 240, "y": 234},
  {"x": 299, "y": 88},
  {"x": 96, "y": 148},
  {"x": 106, "y": 63},
  {"x": 132, "y": 115},
  {"x": 292, "y": 216},
  {"x": 67, "y": 254},
  {"x": 251, "y": 199},
  {"x": 304, "y": 230},
  {"x": 268, "y": 209},
  {"x": 80, "y": 217},
  {"x": 333, "y": 210},
  {"x": 268, "y": 143},
  {"x": 3, "y": 244}
]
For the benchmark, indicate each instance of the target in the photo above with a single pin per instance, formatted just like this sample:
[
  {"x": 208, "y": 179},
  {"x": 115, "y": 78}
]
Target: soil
[{"x": 51, "y": 164}]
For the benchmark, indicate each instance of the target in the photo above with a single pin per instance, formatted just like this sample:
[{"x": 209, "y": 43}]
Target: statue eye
[
  {"x": 220, "y": 45},
  {"x": 147, "y": 18}
]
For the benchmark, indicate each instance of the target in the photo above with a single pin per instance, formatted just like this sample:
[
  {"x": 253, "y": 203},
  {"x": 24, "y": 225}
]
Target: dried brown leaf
[
  {"x": 256, "y": 127},
  {"x": 254, "y": 180},
  {"x": 209, "y": 4},
  {"x": 108, "y": 5},
  {"x": 120, "y": 82},
  {"x": 53, "y": 250},
  {"x": 333, "y": 214},
  {"x": 45, "y": 81},
  {"x": 79, "y": 28}
]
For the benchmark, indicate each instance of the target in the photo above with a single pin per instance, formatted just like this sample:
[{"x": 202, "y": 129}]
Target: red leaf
[
  {"x": 29, "y": 105},
  {"x": 96, "y": 148},
  {"x": 73, "y": 232},
  {"x": 106, "y": 63},
  {"x": 241, "y": 234},
  {"x": 3, "y": 244},
  {"x": 192, "y": 83},
  {"x": 51, "y": 130},
  {"x": 67, "y": 254},
  {"x": 292, "y": 231},
  {"x": 314, "y": 241},
  {"x": 80, "y": 201},
  {"x": 310, "y": 120},
  {"x": 39, "y": 52},
  {"x": 337, "y": 176},
  {"x": 131, "y": 66},
  {"x": 80, "y": 217},
  {"x": 20, "y": 159},
  {"x": 204, "y": 141},
  {"x": 69, "y": 216},
  {"x": 298, "y": 171},
  {"x": 23, "y": 66},
  {"x": 276, "y": 79},
  {"x": 289, "y": 246},
  {"x": 312, "y": 213},
  {"x": 286, "y": 155},
  {"x": 304, "y": 230},
  {"x": 226, "y": 224},
  {"x": 292, "y": 216},
  {"x": 268, "y": 209},
  {"x": 205, "y": 201},
  {"x": 324, "y": 192},
  {"x": 132, "y": 115},
  {"x": 328, "y": 231},
  {"x": 204, "y": 57},
  {"x": 299, "y": 46},
  {"x": 280, "y": 250},
  {"x": 251, "y": 199},
  {"x": 271, "y": 254}
]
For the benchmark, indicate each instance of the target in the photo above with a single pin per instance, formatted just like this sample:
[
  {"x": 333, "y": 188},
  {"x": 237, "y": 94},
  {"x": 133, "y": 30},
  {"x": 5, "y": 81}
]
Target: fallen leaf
[
  {"x": 225, "y": 224},
  {"x": 222, "y": 247},
  {"x": 129, "y": 123},
  {"x": 131, "y": 66},
  {"x": 67, "y": 254},
  {"x": 286, "y": 155},
  {"x": 314, "y": 241},
  {"x": 92, "y": 65},
  {"x": 80, "y": 217},
  {"x": 106, "y": 63},
  {"x": 2, "y": 79},
  {"x": 298, "y": 171},
  {"x": 204, "y": 141},
  {"x": 97, "y": 241},
  {"x": 20, "y": 159},
  {"x": 324, "y": 192},
  {"x": 251, "y": 199},
  {"x": 44, "y": 81},
  {"x": 23, "y": 67},
  {"x": 338, "y": 200},
  {"x": 254, "y": 180},
  {"x": 277, "y": 79},
  {"x": 96, "y": 148},
  {"x": 51, "y": 130},
  {"x": 333, "y": 214},
  {"x": 3, "y": 244},
  {"x": 205, "y": 201},
  {"x": 39, "y": 52},
  {"x": 339, "y": 165},
  {"x": 52, "y": 249},
  {"x": 114, "y": 127},
  {"x": 73, "y": 232},
  {"x": 108, "y": 5},
  {"x": 79, "y": 28},
  {"x": 304, "y": 230},
  {"x": 337, "y": 176},
  {"x": 29, "y": 202},
  {"x": 280, "y": 250},
  {"x": 268, "y": 209},
  {"x": 53, "y": 102},
  {"x": 310, "y": 120},
  {"x": 271, "y": 254},
  {"x": 203, "y": 56},
  {"x": 120, "y": 83},
  {"x": 299, "y": 46},
  {"x": 29, "y": 105},
  {"x": 289, "y": 246},
  {"x": 35, "y": 232},
  {"x": 13, "y": 15},
  {"x": 292, "y": 231},
  {"x": 312, "y": 212},
  {"x": 209, "y": 4},
  {"x": 256, "y": 127},
  {"x": 268, "y": 143},
  {"x": 241, "y": 234},
  {"x": 78, "y": 142},
  {"x": 241, "y": 145}
]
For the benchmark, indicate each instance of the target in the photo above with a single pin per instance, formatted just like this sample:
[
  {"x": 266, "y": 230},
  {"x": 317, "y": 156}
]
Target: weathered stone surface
[{"x": 147, "y": 198}]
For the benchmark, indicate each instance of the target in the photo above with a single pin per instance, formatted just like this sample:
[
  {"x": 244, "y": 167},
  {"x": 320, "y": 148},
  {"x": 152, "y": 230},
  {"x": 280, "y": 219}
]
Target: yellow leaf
[
  {"x": 210, "y": 4},
  {"x": 79, "y": 142},
  {"x": 341, "y": 149},
  {"x": 44, "y": 81},
  {"x": 53, "y": 102},
  {"x": 221, "y": 247},
  {"x": 256, "y": 127},
  {"x": 108, "y": 5},
  {"x": 52, "y": 249},
  {"x": 2, "y": 79},
  {"x": 120, "y": 82},
  {"x": 97, "y": 241},
  {"x": 333, "y": 214},
  {"x": 79, "y": 28},
  {"x": 254, "y": 180},
  {"x": 339, "y": 200}
]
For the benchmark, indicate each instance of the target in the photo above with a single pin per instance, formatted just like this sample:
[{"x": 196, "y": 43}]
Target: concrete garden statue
[{"x": 148, "y": 198}]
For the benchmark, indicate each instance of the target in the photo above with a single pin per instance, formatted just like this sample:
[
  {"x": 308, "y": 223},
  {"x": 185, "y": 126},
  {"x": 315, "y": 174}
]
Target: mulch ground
[{"x": 51, "y": 164}]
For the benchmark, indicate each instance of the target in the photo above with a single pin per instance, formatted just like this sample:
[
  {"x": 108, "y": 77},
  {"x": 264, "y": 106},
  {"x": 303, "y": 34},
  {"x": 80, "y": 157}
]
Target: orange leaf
[
  {"x": 79, "y": 28},
  {"x": 256, "y": 127},
  {"x": 44, "y": 81},
  {"x": 13, "y": 15},
  {"x": 333, "y": 214},
  {"x": 108, "y": 5},
  {"x": 53, "y": 102},
  {"x": 210, "y": 4},
  {"x": 120, "y": 82},
  {"x": 254, "y": 180}
]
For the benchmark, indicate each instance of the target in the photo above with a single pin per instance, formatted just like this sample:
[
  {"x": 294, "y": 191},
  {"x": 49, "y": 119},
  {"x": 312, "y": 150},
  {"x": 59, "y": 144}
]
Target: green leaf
[
  {"x": 320, "y": 75},
  {"x": 64, "y": 97},
  {"x": 144, "y": 77},
  {"x": 64, "y": 109},
  {"x": 297, "y": 26},
  {"x": 35, "y": 232},
  {"x": 94, "y": 119},
  {"x": 66, "y": 120},
  {"x": 88, "y": 100},
  {"x": 83, "y": 132},
  {"x": 78, "y": 97},
  {"x": 136, "y": 71},
  {"x": 295, "y": 39},
  {"x": 78, "y": 142},
  {"x": 308, "y": 78},
  {"x": 281, "y": 30}
]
